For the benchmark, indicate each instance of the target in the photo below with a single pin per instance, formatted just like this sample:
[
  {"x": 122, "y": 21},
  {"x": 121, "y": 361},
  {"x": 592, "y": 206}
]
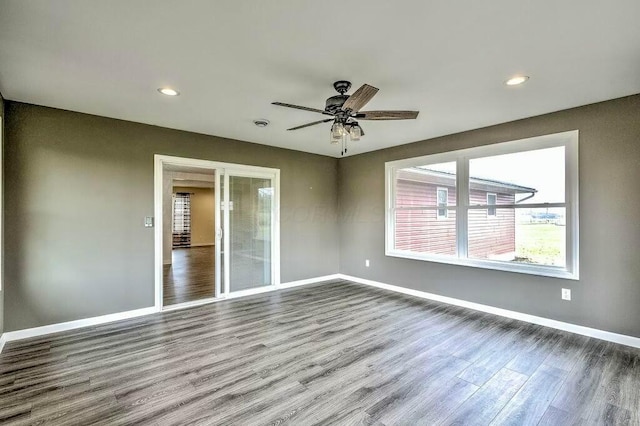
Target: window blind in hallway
[{"x": 182, "y": 220}]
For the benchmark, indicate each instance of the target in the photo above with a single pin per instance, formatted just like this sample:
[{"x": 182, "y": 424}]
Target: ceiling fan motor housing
[{"x": 334, "y": 103}]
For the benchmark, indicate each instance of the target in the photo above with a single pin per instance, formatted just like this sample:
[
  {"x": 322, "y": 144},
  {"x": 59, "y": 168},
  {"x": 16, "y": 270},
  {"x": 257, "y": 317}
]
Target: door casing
[{"x": 222, "y": 171}]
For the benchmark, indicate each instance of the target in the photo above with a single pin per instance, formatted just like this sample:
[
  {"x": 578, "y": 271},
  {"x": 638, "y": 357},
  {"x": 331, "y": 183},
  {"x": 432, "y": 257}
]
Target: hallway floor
[{"x": 190, "y": 277}]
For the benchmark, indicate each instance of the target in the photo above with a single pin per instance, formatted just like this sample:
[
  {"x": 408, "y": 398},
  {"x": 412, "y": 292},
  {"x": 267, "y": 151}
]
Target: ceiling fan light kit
[
  {"x": 337, "y": 131},
  {"x": 355, "y": 131},
  {"x": 345, "y": 109}
]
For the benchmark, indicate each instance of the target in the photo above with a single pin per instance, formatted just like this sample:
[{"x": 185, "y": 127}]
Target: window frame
[{"x": 569, "y": 140}]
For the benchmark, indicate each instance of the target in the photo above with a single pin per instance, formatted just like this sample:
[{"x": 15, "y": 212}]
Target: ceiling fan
[{"x": 345, "y": 111}]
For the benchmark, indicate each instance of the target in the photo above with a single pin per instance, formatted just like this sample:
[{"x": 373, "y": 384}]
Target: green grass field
[{"x": 540, "y": 243}]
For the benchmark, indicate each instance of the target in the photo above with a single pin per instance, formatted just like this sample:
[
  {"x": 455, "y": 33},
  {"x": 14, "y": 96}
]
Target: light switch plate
[{"x": 148, "y": 221}]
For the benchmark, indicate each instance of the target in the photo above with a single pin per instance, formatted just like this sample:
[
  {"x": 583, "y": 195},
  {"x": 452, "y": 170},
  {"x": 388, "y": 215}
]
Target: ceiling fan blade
[
  {"x": 360, "y": 98},
  {"x": 387, "y": 115},
  {"x": 311, "y": 124},
  {"x": 301, "y": 107}
]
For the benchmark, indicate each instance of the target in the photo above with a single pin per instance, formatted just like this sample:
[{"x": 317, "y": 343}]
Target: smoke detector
[{"x": 261, "y": 122}]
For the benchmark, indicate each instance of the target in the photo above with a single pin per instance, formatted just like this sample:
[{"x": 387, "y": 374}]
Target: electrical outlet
[
  {"x": 566, "y": 294},
  {"x": 366, "y": 263}
]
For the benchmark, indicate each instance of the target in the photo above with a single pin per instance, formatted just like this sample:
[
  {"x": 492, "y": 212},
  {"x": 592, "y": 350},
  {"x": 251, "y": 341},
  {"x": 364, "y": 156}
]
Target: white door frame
[{"x": 235, "y": 169}]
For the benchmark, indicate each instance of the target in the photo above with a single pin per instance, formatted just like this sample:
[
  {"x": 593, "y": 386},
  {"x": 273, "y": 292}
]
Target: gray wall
[
  {"x": 608, "y": 294},
  {"x": 77, "y": 187},
  {"x": 77, "y": 190}
]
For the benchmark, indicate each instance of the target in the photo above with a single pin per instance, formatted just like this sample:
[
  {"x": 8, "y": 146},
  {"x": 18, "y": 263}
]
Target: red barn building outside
[{"x": 491, "y": 230}]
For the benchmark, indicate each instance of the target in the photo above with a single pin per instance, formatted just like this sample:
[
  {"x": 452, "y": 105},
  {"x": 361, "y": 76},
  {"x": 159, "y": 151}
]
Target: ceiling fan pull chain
[{"x": 344, "y": 144}]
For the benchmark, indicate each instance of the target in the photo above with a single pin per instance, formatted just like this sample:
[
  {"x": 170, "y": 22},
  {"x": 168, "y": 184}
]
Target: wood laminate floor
[
  {"x": 191, "y": 276},
  {"x": 337, "y": 353}
]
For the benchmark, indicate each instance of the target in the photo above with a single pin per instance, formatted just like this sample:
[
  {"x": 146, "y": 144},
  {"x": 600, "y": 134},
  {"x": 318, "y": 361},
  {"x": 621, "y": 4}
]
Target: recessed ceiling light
[
  {"x": 514, "y": 81},
  {"x": 261, "y": 122},
  {"x": 168, "y": 91}
]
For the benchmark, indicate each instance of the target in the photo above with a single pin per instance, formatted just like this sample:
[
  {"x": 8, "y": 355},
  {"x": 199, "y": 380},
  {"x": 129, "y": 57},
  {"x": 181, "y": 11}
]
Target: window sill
[{"x": 544, "y": 271}]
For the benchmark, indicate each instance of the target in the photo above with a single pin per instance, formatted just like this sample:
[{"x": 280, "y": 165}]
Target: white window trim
[
  {"x": 490, "y": 206},
  {"x": 446, "y": 205},
  {"x": 567, "y": 139}
]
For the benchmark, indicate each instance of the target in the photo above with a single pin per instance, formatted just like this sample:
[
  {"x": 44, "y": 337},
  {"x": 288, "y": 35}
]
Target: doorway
[
  {"x": 188, "y": 271},
  {"x": 217, "y": 230}
]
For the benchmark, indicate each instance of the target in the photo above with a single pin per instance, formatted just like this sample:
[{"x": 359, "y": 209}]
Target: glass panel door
[{"x": 249, "y": 231}]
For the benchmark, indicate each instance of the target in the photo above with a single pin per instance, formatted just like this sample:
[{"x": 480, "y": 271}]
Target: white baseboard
[
  {"x": 573, "y": 328},
  {"x": 559, "y": 325},
  {"x": 71, "y": 325},
  {"x": 87, "y": 322},
  {"x": 310, "y": 281}
]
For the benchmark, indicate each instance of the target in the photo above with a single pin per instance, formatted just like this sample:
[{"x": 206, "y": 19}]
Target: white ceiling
[{"x": 231, "y": 58}]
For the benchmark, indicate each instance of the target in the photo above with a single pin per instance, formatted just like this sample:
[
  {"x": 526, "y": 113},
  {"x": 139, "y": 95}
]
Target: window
[
  {"x": 443, "y": 195},
  {"x": 181, "y": 219},
  {"x": 419, "y": 211},
  {"x": 491, "y": 201},
  {"x": 511, "y": 206}
]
